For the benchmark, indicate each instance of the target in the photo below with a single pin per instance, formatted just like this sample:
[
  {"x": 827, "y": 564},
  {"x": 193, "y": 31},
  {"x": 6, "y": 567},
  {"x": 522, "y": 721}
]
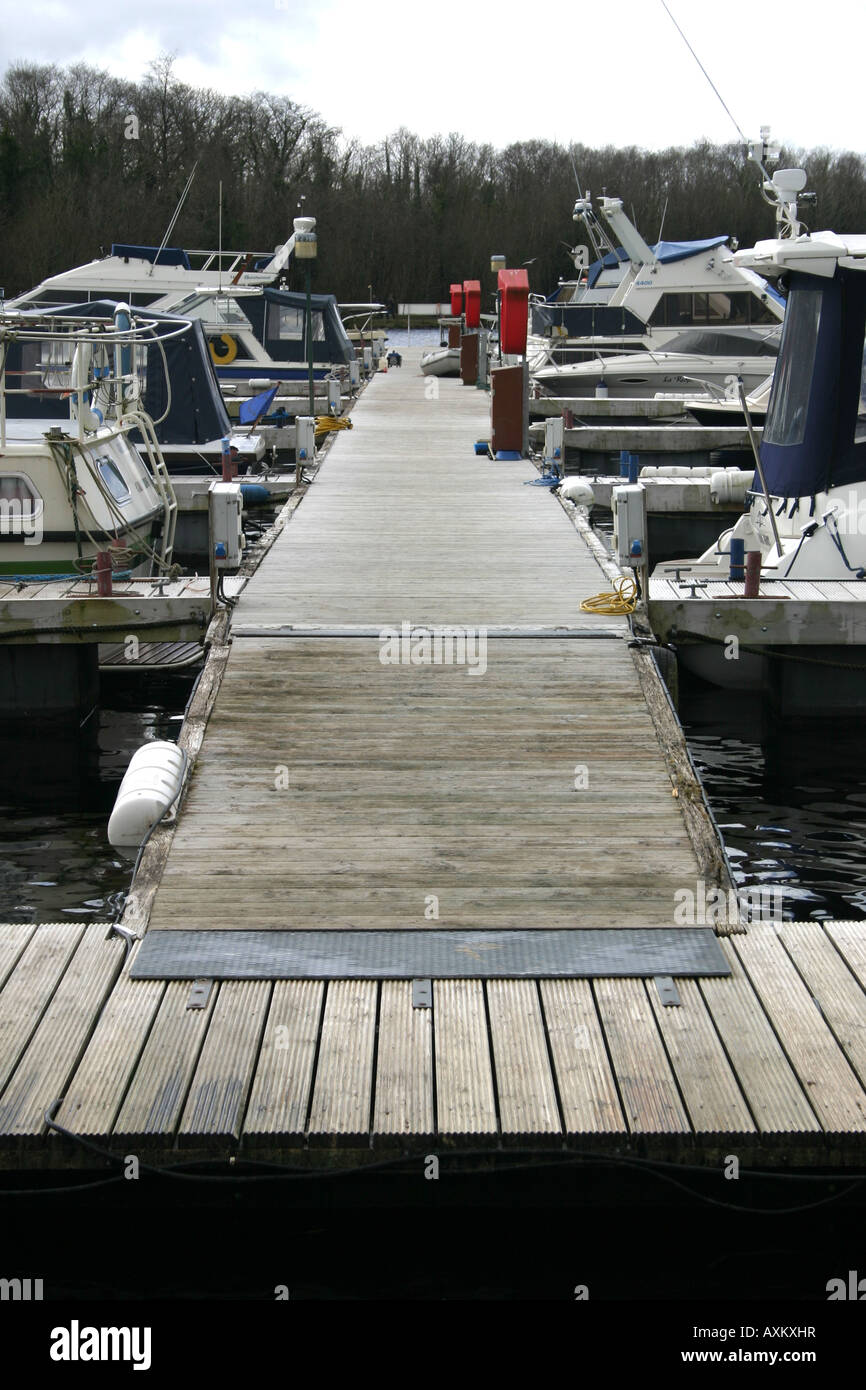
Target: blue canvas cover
[
  {"x": 669, "y": 251},
  {"x": 196, "y": 412},
  {"x": 810, "y": 437},
  {"x": 169, "y": 255}
]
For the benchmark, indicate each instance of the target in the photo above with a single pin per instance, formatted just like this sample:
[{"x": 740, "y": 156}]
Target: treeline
[{"x": 87, "y": 159}]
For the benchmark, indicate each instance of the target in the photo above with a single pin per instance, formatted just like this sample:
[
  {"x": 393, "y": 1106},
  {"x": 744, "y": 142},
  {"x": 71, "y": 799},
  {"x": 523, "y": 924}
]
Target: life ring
[{"x": 223, "y": 349}]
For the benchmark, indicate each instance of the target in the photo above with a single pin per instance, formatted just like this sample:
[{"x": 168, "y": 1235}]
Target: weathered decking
[
  {"x": 768, "y": 1064},
  {"x": 331, "y": 791}
]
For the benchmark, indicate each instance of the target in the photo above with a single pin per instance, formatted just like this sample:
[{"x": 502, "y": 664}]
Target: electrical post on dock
[
  {"x": 306, "y": 249},
  {"x": 630, "y": 530},
  {"x": 497, "y": 263}
]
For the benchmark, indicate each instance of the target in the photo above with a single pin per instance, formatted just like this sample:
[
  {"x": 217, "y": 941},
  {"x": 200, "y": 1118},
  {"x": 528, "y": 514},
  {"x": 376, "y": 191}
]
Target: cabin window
[
  {"x": 228, "y": 312},
  {"x": 685, "y": 310},
  {"x": 113, "y": 479},
  {"x": 673, "y": 311},
  {"x": 786, "y": 417},
  {"x": 214, "y": 309},
  {"x": 19, "y": 501},
  {"x": 286, "y": 322},
  {"x": 725, "y": 308},
  {"x": 760, "y": 310}
]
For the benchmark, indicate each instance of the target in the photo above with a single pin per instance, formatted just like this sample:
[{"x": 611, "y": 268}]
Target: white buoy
[
  {"x": 150, "y": 785},
  {"x": 578, "y": 491}
]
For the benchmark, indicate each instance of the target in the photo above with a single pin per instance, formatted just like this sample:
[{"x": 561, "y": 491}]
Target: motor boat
[
  {"x": 79, "y": 488},
  {"x": 804, "y": 521},
  {"x": 639, "y": 297},
  {"x": 173, "y": 380},
  {"x": 689, "y": 361},
  {"x": 256, "y": 330}
]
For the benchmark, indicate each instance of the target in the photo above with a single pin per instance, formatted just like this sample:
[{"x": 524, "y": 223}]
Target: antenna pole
[{"x": 170, "y": 228}]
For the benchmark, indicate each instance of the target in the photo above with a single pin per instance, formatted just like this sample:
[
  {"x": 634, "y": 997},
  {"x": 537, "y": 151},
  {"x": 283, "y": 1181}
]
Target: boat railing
[{"x": 95, "y": 366}]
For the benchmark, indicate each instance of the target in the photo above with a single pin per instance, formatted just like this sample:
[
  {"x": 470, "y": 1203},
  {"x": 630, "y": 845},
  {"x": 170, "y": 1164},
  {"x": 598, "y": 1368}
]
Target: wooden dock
[
  {"x": 70, "y": 610},
  {"x": 335, "y": 791}
]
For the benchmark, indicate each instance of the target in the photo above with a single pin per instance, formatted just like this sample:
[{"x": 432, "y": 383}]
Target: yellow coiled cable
[{"x": 619, "y": 602}]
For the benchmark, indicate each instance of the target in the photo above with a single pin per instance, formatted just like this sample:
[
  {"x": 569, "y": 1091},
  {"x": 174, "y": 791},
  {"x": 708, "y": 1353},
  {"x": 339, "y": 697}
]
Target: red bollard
[
  {"x": 230, "y": 462},
  {"x": 568, "y": 419},
  {"x": 102, "y": 568},
  {"x": 753, "y": 574}
]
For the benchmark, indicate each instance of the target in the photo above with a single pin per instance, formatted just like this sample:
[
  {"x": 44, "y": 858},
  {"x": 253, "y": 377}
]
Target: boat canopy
[
  {"x": 169, "y": 255},
  {"x": 608, "y": 262},
  {"x": 587, "y": 320},
  {"x": 669, "y": 251},
  {"x": 710, "y": 343},
  {"x": 278, "y": 319},
  {"x": 196, "y": 411},
  {"x": 815, "y": 432}
]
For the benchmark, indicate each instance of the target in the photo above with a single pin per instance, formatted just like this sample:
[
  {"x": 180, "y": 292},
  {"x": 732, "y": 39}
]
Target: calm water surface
[{"x": 57, "y": 788}]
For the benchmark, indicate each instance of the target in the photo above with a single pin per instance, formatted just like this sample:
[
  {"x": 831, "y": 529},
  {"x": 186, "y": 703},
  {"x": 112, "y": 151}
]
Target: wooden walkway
[
  {"x": 769, "y": 1064},
  {"x": 331, "y": 789}
]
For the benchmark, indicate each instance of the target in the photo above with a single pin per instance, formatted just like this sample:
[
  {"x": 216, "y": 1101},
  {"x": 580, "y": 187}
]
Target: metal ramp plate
[{"x": 411, "y": 955}]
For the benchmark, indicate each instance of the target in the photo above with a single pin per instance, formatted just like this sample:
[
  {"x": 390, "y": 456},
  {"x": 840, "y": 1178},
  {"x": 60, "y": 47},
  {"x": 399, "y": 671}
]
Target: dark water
[
  {"x": 790, "y": 800},
  {"x": 57, "y": 788}
]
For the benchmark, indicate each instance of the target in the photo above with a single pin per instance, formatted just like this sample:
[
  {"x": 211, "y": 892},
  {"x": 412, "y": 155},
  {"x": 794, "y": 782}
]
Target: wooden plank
[
  {"x": 650, "y": 1099},
  {"x": 404, "y": 1065},
  {"x": 55, "y": 1049},
  {"x": 524, "y": 1083},
  {"x": 96, "y": 1091},
  {"x": 465, "y": 1097},
  {"x": 773, "y": 1092},
  {"x": 587, "y": 1090},
  {"x": 344, "y": 1076},
  {"x": 284, "y": 1074},
  {"x": 834, "y": 1091},
  {"x": 14, "y": 937},
  {"x": 850, "y": 940},
  {"x": 708, "y": 1085},
  {"x": 219, "y": 1089},
  {"x": 464, "y": 786},
  {"x": 839, "y": 995},
  {"x": 30, "y": 986},
  {"x": 159, "y": 1085},
  {"x": 474, "y": 545}
]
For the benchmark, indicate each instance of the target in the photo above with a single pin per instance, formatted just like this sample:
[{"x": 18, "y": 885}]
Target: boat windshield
[
  {"x": 221, "y": 309},
  {"x": 786, "y": 417}
]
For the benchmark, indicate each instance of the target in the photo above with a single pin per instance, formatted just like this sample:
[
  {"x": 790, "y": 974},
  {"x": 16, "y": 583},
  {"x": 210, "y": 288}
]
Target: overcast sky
[{"x": 615, "y": 73}]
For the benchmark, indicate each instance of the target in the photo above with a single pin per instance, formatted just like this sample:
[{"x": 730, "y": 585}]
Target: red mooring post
[
  {"x": 753, "y": 574},
  {"x": 230, "y": 466},
  {"x": 102, "y": 568}
]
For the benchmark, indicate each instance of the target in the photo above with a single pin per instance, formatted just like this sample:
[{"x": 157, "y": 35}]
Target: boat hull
[{"x": 442, "y": 362}]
